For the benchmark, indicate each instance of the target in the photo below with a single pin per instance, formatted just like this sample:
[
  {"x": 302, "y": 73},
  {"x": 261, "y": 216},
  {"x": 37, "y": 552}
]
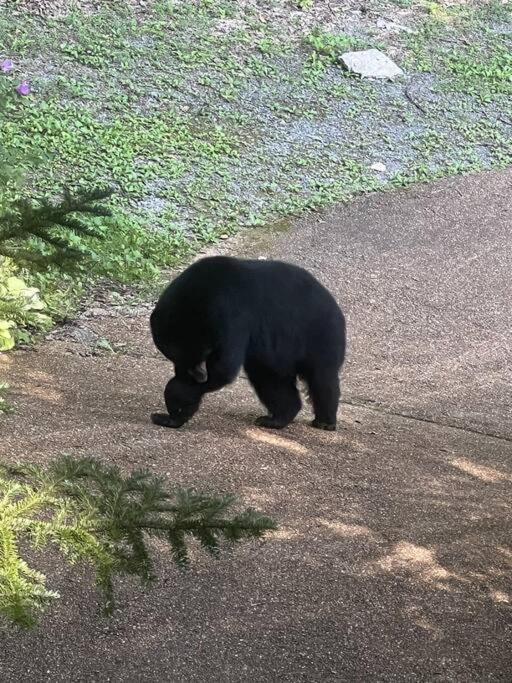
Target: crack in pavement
[{"x": 380, "y": 408}]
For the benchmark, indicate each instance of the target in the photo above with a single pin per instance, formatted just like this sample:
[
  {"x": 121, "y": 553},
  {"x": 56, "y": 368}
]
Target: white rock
[
  {"x": 378, "y": 166},
  {"x": 371, "y": 64}
]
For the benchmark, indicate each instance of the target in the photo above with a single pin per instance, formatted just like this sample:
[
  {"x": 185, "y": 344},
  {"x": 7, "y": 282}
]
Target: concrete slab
[
  {"x": 424, "y": 276},
  {"x": 393, "y": 558}
]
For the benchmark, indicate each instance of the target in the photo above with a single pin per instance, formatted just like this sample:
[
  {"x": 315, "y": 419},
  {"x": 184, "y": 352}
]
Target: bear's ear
[{"x": 199, "y": 373}]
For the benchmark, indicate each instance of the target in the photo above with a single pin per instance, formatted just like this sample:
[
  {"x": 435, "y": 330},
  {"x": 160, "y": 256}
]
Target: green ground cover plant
[{"x": 207, "y": 117}]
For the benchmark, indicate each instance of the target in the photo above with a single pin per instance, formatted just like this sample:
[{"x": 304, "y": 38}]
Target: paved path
[{"x": 394, "y": 556}]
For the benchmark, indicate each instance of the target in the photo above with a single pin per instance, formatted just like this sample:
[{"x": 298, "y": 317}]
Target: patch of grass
[
  {"x": 484, "y": 72},
  {"x": 206, "y": 118},
  {"x": 470, "y": 53},
  {"x": 328, "y": 47}
]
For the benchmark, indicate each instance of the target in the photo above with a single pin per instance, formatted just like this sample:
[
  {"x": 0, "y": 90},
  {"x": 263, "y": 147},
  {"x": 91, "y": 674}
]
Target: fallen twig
[{"x": 413, "y": 101}]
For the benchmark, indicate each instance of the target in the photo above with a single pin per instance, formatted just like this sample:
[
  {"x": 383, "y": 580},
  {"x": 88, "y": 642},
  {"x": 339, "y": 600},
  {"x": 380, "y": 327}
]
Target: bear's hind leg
[{"x": 324, "y": 391}]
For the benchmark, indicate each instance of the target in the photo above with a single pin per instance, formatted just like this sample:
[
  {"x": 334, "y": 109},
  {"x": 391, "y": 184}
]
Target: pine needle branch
[
  {"x": 91, "y": 512},
  {"x": 51, "y": 226}
]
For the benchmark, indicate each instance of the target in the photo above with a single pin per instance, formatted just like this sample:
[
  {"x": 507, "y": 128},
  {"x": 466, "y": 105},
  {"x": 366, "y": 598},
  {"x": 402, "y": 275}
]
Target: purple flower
[
  {"x": 23, "y": 88},
  {"x": 6, "y": 65}
]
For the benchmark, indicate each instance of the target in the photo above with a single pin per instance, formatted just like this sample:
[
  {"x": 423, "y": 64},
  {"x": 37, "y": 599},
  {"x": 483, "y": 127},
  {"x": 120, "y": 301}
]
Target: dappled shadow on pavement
[{"x": 393, "y": 556}]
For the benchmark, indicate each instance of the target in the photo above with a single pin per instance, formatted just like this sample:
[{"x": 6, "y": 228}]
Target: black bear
[{"x": 274, "y": 319}]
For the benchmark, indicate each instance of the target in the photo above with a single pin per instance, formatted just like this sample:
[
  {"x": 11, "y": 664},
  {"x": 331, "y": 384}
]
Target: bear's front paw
[{"x": 165, "y": 420}]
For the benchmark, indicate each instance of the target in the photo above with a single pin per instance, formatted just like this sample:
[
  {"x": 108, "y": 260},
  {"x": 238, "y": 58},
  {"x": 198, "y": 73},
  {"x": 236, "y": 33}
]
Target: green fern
[{"x": 92, "y": 513}]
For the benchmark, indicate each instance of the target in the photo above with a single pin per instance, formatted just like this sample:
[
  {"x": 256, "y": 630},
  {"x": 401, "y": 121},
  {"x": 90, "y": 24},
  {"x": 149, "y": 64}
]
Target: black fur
[{"x": 272, "y": 318}]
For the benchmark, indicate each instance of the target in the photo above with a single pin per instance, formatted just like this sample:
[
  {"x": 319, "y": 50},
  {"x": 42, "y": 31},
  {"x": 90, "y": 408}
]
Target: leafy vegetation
[
  {"x": 20, "y": 308},
  {"x": 472, "y": 50},
  {"x": 331, "y": 46},
  {"x": 304, "y": 4},
  {"x": 204, "y": 117},
  {"x": 485, "y": 73},
  {"x": 92, "y": 513},
  {"x": 5, "y": 405}
]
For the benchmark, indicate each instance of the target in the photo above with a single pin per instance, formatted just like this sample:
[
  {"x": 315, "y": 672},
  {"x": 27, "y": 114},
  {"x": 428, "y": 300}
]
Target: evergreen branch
[
  {"x": 91, "y": 512},
  {"x": 51, "y": 224}
]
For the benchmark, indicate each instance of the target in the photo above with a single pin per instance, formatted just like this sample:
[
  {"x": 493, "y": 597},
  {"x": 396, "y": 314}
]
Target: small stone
[
  {"x": 95, "y": 312},
  {"x": 379, "y": 167},
  {"x": 223, "y": 236},
  {"x": 371, "y": 64},
  {"x": 70, "y": 332}
]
